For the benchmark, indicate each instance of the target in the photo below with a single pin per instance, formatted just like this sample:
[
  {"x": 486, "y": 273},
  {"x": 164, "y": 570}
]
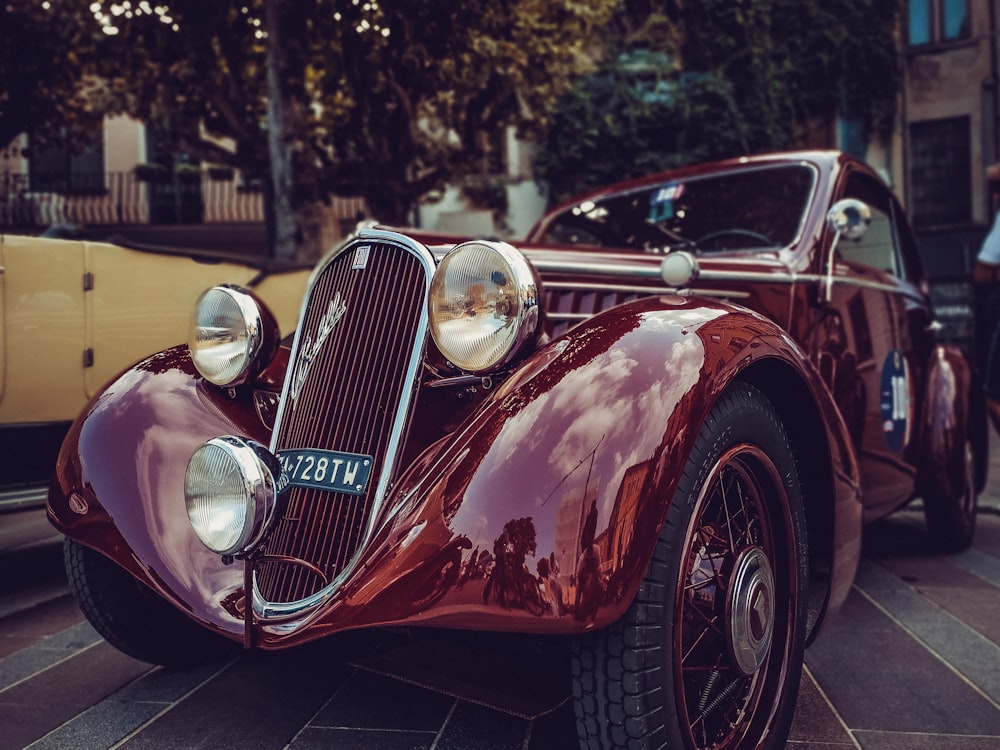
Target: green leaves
[
  {"x": 687, "y": 81},
  {"x": 47, "y": 63}
]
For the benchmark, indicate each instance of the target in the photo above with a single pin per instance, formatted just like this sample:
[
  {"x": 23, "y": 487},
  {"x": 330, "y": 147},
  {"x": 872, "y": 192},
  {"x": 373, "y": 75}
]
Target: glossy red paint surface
[
  {"x": 567, "y": 462},
  {"x": 123, "y": 463}
]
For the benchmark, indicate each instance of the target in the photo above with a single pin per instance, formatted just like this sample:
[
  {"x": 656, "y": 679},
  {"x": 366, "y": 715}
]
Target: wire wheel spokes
[{"x": 732, "y": 608}]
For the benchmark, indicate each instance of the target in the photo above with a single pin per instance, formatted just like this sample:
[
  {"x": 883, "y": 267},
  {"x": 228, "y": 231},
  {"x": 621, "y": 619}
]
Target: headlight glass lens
[
  {"x": 483, "y": 305},
  {"x": 229, "y": 494},
  {"x": 225, "y": 335}
]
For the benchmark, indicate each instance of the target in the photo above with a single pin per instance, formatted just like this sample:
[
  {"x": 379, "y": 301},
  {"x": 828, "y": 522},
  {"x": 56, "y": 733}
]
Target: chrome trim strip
[
  {"x": 24, "y": 498},
  {"x": 594, "y": 269},
  {"x": 274, "y": 612},
  {"x": 724, "y": 293},
  {"x": 704, "y": 274},
  {"x": 623, "y": 288},
  {"x": 863, "y": 283}
]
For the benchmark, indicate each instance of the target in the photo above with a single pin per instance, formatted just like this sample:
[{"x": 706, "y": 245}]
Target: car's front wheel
[
  {"x": 132, "y": 618},
  {"x": 709, "y": 654}
]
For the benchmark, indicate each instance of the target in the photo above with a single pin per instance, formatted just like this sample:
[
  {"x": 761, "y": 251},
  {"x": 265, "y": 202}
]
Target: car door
[
  {"x": 43, "y": 319},
  {"x": 884, "y": 325},
  {"x": 140, "y": 302}
]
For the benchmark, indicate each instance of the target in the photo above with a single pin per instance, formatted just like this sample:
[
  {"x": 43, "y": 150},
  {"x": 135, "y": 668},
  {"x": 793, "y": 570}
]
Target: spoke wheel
[
  {"x": 709, "y": 654},
  {"x": 735, "y": 615}
]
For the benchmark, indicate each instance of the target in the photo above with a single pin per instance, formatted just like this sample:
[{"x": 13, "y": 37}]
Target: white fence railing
[{"x": 124, "y": 199}]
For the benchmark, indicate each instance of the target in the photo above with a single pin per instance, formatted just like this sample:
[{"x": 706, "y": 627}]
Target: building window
[
  {"x": 937, "y": 21},
  {"x": 61, "y": 170},
  {"x": 941, "y": 172},
  {"x": 920, "y": 22},
  {"x": 955, "y": 20}
]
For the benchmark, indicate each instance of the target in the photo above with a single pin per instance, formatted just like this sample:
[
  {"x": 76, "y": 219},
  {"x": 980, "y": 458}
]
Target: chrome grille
[{"x": 354, "y": 398}]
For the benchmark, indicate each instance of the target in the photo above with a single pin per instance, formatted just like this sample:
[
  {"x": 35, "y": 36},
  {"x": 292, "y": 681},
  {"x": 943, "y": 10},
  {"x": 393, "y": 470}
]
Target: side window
[{"x": 876, "y": 248}]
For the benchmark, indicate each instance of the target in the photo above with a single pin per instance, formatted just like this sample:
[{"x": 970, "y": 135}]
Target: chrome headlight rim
[
  {"x": 253, "y": 328},
  {"x": 524, "y": 324},
  {"x": 258, "y": 473}
]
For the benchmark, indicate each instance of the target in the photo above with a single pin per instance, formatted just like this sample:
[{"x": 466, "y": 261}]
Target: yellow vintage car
[{"x": 76, "y": 313}]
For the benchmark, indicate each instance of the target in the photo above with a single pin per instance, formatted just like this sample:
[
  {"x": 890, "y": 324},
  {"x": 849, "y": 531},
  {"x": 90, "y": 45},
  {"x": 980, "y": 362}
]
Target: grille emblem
[
  {"x": 361, "y": 254},
  {"x": 310, "y": 348}
]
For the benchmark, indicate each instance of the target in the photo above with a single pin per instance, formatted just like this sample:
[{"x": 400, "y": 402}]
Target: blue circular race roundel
[{"x": 894, "y": 397}]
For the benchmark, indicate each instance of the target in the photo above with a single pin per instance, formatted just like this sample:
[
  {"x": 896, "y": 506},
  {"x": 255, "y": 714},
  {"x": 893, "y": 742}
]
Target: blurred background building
[{"x": 946, "y": 136}]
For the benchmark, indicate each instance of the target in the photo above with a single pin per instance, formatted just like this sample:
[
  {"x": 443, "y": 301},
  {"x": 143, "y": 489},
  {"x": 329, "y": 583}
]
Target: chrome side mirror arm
[{"x": 848, "y": 218}]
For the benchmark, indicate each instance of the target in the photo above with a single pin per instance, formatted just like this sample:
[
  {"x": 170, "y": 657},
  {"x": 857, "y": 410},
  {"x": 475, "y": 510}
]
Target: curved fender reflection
[
  {"x": 946, "y": 422},
  {"x": 124, "y": 460}
]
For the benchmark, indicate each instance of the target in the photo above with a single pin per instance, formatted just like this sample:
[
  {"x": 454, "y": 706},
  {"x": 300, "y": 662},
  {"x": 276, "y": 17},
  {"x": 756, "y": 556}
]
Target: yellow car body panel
[
  {"x": 76, "y": 313},
  {"x": 43, "y": 330}
]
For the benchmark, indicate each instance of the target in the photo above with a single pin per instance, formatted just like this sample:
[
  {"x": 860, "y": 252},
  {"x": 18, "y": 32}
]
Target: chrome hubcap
[{"x": 750, "y": 610}]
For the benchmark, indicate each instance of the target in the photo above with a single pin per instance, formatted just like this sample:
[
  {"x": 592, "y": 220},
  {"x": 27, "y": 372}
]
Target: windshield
[{"x": 759, "y": 207}]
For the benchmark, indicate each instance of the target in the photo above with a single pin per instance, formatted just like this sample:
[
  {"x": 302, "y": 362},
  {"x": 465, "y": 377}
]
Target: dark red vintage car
[{"x": 655, "y": 427}]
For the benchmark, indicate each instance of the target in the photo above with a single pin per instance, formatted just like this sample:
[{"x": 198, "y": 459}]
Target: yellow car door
[
  {"x": 139, "y": 302},
  {"x": 43, "y": 329}
]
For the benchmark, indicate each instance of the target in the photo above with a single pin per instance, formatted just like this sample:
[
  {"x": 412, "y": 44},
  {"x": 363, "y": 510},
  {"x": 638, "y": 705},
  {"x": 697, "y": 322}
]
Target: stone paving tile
[
  {"x": 976, "y": 606},
  {"x": 363, "y": 739},
  {"x": 32, "y": 708},
  {"x": 24, "y": 628},
  {"x": 914, "y": 741},
  {"x": 46, "y": 652},
  {"x": 983, "y": 565},
  {"x": 400, "y": 706},
  {"x": 111, "y": 720},
  {"x": 815, "y": 720},
  {"x": 880, "y": 678},
  {"x": 947, "y": 637},
  {"x": 474, "y": 727},
  {"x": 556, "y": 729},
  {"x": 260, "y": 701},
  {"x": 101, "y": 726},
  {"x": 520, "y": 675}
]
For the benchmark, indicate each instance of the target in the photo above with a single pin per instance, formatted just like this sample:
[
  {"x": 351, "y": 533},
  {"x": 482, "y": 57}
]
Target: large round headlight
[
  {"x": 230, "y": 493},
  {"x": 483, "y": 305},
  {"x": 230, "y": 334}
]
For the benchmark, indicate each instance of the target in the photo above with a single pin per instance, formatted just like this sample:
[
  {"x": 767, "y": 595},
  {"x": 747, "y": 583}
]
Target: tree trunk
[{"x": 286, "y": 125}]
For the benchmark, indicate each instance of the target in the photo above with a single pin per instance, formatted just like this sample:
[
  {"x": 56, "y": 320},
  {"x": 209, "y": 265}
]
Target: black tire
[
  {"x": 135, "y": 620},
  {"x": 663, "y": 676},
  {"x": 950, "y": 507}
]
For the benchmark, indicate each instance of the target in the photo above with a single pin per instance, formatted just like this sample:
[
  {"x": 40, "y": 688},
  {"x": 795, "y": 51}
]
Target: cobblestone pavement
[{"x": 912, "y": 662}]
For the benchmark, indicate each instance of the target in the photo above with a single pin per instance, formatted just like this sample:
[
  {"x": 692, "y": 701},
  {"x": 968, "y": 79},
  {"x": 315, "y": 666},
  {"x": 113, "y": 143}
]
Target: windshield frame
[{"x": 649, "y": 186}]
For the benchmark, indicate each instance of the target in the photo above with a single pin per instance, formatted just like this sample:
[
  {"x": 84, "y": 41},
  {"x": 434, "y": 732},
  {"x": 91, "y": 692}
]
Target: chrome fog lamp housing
[
  {"x": 230, "y": 491},
  {"x": 231, "y": 333},
  {"x": 483, "y": 305}
]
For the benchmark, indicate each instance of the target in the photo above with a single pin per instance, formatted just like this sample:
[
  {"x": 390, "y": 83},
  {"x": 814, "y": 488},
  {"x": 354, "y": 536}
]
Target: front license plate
[{"x": 332, "y": 471}]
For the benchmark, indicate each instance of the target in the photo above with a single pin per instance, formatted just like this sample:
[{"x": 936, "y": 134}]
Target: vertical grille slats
[{"x": 348, "y": 402}]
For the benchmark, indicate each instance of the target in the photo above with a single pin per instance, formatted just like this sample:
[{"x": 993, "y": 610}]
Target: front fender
[
  {"x": 556, "y": 489},
  {"x": 119, "y": 483},
  {"x": 949, "y": 417}
]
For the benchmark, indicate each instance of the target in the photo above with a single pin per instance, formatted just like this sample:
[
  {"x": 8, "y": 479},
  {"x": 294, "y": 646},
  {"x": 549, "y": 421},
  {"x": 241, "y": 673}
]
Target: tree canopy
[
  {"x": 721, "y": 78},
  {"x": 47, "y": 66},
  {"x": 394, "y": 99},
  {"x": 387, "y": 99}
]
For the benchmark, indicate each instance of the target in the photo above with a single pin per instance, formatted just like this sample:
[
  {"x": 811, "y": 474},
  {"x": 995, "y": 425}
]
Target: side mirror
[{"x": 849, "y": 218}]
